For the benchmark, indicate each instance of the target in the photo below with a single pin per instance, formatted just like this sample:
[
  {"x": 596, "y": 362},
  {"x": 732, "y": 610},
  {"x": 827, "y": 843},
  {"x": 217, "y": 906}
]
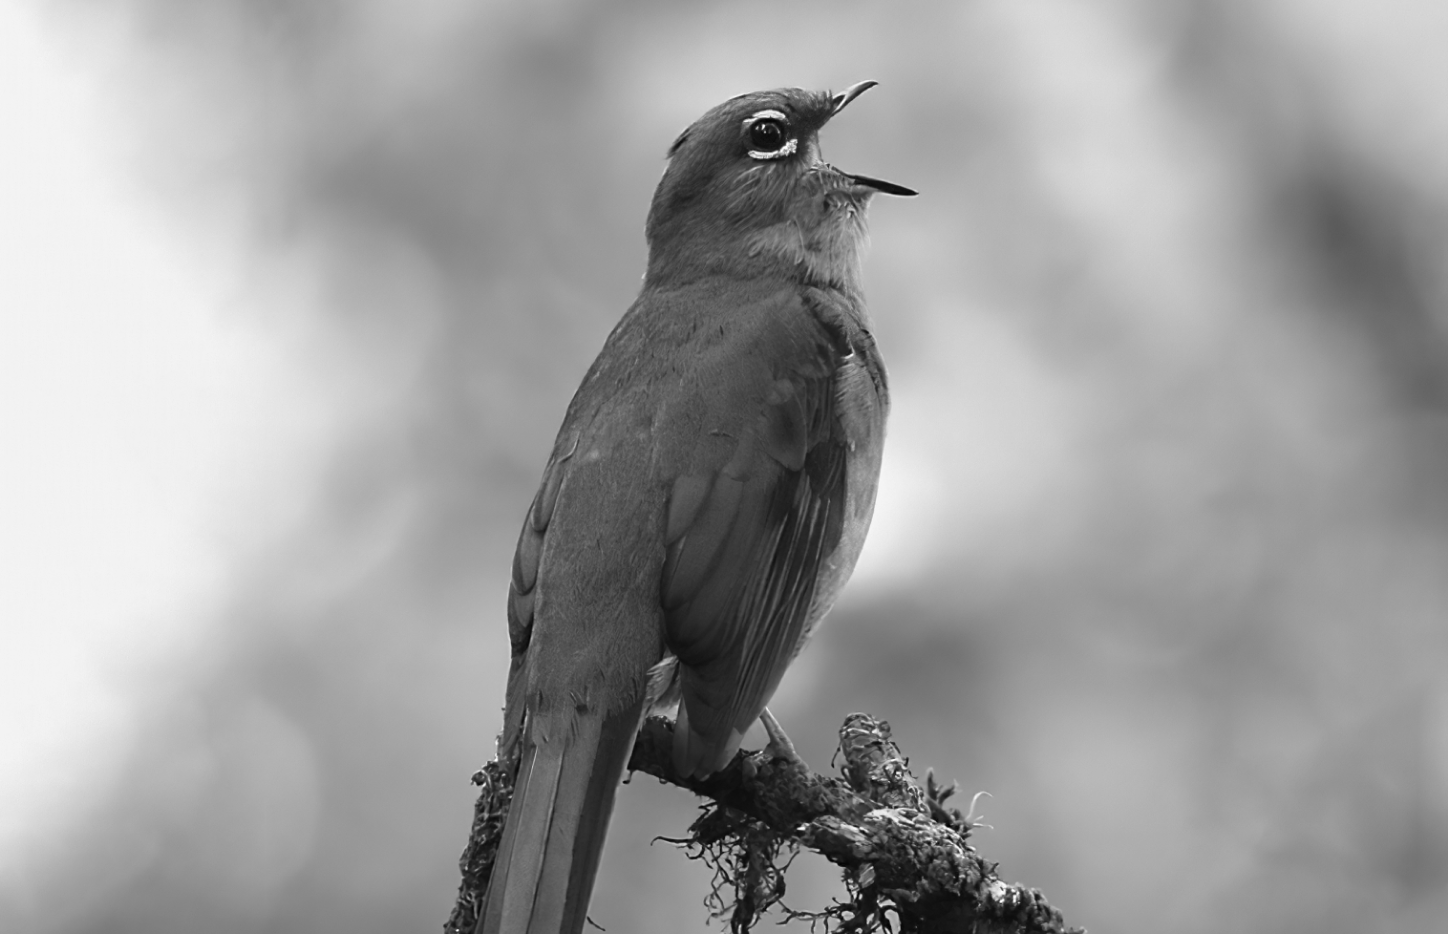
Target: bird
[{"x": 706, "y": 497}]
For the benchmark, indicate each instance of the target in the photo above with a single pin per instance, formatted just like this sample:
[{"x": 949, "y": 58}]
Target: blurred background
[{"x": 293, "y": 295}]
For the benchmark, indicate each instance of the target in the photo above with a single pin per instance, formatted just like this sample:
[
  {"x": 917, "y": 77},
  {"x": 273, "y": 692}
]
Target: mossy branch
[{"x": 904, "y": 850}]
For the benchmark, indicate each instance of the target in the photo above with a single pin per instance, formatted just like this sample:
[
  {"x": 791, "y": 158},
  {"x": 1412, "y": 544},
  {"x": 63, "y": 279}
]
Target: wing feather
[{"x": 744, "y": 555}]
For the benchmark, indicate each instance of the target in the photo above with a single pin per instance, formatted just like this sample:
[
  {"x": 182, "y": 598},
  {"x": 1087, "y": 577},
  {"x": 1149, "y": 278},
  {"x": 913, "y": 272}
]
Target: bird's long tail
[{"x": 553, "y": 838}]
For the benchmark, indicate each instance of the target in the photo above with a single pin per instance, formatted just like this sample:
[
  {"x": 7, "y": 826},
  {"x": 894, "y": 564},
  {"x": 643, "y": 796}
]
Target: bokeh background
[{"x": 293, "y": 294}]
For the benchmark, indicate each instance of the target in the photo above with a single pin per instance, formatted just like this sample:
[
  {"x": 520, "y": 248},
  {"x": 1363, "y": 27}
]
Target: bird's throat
[{"x": 825, "y": 249}]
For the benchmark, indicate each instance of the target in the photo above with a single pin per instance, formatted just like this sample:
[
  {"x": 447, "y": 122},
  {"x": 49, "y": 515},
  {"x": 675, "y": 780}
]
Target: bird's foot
[{"x": 780, "y": 746}]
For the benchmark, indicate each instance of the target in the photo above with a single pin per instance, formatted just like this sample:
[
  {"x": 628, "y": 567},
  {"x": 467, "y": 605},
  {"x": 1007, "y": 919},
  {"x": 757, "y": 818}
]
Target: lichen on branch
[{"x": 904, "y": 851}]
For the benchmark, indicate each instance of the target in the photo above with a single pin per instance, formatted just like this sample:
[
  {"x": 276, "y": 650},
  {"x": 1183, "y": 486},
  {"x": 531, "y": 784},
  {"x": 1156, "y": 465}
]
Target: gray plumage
[{"x": 708, "y": 493}]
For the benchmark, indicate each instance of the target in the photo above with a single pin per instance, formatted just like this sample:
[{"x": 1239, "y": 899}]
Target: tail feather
[
  {"x": 548, "y": 857},
  {"x": 616, "y": 742}
]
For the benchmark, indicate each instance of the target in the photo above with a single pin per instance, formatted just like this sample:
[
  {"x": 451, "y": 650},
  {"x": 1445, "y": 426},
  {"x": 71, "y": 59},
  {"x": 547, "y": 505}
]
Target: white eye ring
[
  {"x": 789, "y": 148},
  {"x": 791, "y": 145}
]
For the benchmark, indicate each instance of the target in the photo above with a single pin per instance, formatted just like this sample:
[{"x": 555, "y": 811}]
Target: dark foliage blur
[{"x": 1161, "y": 558}]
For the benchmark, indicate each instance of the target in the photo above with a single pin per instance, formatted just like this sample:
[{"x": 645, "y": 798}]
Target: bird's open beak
[
  {"x": 889, "y": 188},
  {"x": 842, "y": 100}
]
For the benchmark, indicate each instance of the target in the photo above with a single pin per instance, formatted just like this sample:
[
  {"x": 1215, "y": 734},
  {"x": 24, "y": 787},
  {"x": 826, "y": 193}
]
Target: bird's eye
[
  {"x": 766, "y": 132},
  {"x": 767, "y": 135}
]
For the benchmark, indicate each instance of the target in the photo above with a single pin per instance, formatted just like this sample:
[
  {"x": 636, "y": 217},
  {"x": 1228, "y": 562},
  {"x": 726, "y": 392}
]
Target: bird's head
[{"x": 746, "y": 193}]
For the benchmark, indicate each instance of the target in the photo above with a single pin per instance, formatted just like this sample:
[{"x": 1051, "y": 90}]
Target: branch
[{"x": 904, "y": 851}]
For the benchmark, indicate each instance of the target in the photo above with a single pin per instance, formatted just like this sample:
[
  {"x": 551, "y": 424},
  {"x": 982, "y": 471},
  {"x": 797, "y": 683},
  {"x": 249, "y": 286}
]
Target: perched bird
[{"x": 707, "y": 496}]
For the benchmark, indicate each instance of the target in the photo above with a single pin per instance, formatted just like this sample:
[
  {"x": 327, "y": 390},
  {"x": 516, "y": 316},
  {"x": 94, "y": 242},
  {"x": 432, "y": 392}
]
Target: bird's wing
[
  {"x": 527, "y": 558},
  {"x": 745, "y": 538}
]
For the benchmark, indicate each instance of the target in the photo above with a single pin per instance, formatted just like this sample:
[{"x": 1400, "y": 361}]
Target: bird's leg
[{"x": 780, "y": 746}]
